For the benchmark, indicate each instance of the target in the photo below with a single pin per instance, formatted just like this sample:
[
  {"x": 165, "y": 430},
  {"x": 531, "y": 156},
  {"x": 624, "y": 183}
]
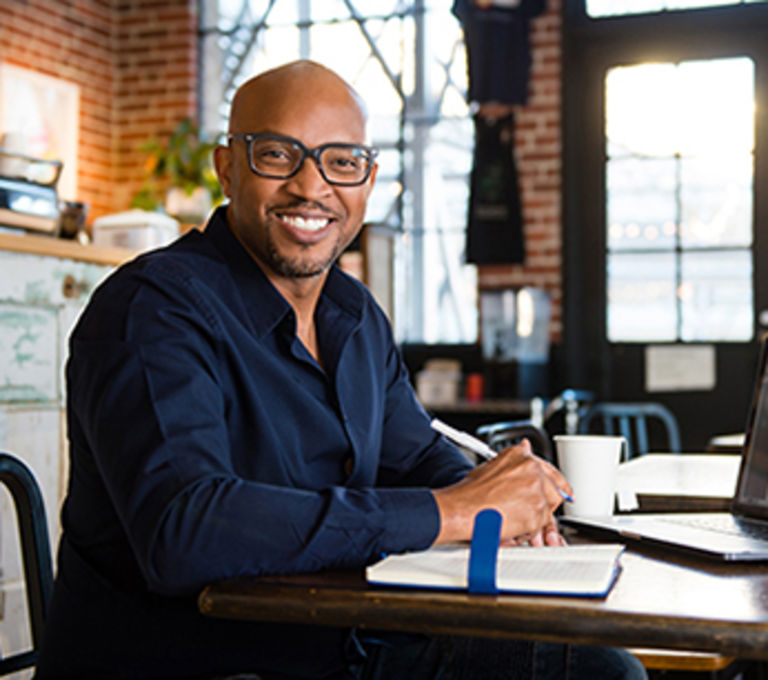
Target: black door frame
[{"x": 590, "y": 47}]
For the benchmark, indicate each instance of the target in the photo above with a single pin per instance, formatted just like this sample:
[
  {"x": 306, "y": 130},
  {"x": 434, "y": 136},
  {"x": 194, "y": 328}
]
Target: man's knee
[{"x": 584, "y": 662}]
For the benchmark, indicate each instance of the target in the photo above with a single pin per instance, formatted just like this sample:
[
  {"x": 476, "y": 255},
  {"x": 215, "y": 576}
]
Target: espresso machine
[{"x": 28, "y": 195}]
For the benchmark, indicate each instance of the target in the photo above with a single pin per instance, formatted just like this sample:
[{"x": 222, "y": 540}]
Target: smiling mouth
[{"x": 305, "y": 223}]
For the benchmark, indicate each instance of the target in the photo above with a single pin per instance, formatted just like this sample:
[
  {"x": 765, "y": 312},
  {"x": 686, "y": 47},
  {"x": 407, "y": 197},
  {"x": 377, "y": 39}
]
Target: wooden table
[{"x": 667, "y": 603}]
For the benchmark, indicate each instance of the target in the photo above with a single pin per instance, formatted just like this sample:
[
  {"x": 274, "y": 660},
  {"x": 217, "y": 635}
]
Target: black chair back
[
  {"x": 35, "y": 552},
  {"x": 507, "y": 433}
]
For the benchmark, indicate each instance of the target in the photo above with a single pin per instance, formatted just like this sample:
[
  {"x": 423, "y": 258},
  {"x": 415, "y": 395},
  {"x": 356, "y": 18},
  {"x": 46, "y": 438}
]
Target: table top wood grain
[{"x": 658, "y": 601}]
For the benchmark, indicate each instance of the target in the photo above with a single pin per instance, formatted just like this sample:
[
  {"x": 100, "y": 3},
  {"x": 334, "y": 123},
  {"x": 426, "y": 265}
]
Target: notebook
[
  {"x": 578, "y": 570},
  {"x": 484, "y": 567},
  {"x": 738, "y": 535}
]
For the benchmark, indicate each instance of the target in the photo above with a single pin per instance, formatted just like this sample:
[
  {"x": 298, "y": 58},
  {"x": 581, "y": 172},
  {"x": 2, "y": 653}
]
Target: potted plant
[{"x": 180, "y": 175}]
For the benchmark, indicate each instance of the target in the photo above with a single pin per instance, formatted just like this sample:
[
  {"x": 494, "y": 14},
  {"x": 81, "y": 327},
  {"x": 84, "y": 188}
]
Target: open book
[{"x": 584, "y": 570}]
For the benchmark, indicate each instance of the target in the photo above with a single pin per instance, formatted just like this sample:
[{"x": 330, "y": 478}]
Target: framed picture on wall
[{"x": 39, "y": 117}]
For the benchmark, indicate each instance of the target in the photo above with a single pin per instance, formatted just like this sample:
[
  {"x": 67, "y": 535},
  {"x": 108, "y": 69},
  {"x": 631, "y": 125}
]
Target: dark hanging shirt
[
  {"x": 495, "y": 213},
  {"x": 498, "y": 49},
  {"x": 207, "y": 443}
]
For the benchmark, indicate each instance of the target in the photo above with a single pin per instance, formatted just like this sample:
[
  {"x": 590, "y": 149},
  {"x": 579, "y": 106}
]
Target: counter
[
  {"x": 45, "y": 282},
  {"x": 63, "y": 248}
]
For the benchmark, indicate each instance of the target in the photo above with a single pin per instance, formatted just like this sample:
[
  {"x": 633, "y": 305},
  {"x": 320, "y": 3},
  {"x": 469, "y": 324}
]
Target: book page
[{"x": 576, "y": 570}]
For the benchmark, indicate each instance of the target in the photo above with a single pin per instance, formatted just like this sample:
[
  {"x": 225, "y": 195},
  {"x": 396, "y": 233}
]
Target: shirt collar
[{"x": 265, "y": 305}]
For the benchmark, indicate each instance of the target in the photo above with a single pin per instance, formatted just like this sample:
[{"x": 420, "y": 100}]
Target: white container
[
  {"x": 135, "y": 230},
  {"x": 437, "y": 384},
  {"x": 438, "y": 388}
]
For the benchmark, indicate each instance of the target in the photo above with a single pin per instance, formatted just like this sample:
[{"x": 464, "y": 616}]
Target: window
[
  {"x": 605, "y": 8},
  {"x": 407, "y": 60},
  {"x": 679, "y": 166}
]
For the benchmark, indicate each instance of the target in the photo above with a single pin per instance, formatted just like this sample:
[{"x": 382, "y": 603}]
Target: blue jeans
[
  {"x": 414, "y": 657},
  {"x": 579, "y": 662}
]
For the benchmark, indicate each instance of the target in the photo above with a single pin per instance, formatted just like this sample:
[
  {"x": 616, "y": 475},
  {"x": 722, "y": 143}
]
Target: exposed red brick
[
  {"x": 86, "y": 42},
  {"x": 537, "y": 153}
]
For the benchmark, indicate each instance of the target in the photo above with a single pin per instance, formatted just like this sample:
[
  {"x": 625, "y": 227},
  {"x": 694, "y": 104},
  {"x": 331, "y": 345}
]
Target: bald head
[
  {"x": 301, "y": 83},
  {"x": 293, "y": 219}
]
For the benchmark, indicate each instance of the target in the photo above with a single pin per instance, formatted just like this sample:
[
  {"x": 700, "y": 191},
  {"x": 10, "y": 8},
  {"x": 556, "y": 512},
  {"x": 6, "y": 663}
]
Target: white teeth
[{"x": 306, "y": 223}]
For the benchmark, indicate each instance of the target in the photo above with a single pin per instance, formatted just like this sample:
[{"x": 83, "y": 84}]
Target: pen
[
  {"x": 474, "y": 444},
  {"x": 464, "y": 439}
]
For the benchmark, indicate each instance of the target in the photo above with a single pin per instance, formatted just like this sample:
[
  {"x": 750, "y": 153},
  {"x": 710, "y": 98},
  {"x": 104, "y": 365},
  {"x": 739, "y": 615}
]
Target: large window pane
[
  {"x": 446, "y": 306},
  {"x": 716, "y": 296},
  {"x": 606, "y": 8},
  {"x": 642, "y": 204},
  {"x": 716, "y": 201},
  {"x": 640, "y": 105},
  {"x": 714, "y": 106},
  {"x": 680, "y": 144},
  {"x": 642, "y": 304}
]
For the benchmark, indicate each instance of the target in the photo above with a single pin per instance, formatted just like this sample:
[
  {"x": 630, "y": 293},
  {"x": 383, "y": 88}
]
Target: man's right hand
[{"x": 520, "y": 485}]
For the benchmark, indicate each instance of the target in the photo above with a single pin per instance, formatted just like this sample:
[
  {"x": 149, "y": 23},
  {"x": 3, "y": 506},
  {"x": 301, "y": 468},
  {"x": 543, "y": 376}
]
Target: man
[{"x": 237, "y": 405}]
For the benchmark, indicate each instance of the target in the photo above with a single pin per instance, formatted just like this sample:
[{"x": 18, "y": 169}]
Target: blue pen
[{"x": 475, "y": 445}]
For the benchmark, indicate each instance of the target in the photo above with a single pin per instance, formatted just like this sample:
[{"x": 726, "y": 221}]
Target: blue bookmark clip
[{"x": 483, "y": 553}]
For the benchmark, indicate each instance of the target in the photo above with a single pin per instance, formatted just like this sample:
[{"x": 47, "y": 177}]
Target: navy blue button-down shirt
[{"x": 207, "y": 443}]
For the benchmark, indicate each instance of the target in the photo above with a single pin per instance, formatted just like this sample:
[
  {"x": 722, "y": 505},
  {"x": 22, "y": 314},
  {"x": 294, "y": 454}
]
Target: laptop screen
[{"x": 752, "y": 491}]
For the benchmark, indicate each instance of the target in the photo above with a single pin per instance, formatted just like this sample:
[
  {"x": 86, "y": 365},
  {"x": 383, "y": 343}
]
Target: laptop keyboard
[{"x": 724, "y": 524}]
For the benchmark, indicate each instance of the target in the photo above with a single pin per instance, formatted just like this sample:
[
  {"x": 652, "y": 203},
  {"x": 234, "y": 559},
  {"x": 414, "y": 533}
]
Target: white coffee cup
[{"x": 590, "y": 463}]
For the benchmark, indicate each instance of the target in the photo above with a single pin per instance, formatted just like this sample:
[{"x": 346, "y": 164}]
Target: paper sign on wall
[{"x": 674, "y": 368}]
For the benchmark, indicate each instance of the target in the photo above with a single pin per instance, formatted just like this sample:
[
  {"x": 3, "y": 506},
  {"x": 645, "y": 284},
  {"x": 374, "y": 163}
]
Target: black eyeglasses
[{"x": 279, "y": 157}]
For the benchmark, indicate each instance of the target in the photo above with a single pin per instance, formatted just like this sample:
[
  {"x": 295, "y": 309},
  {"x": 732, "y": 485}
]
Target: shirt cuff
[{"x": 413, "y": 518}]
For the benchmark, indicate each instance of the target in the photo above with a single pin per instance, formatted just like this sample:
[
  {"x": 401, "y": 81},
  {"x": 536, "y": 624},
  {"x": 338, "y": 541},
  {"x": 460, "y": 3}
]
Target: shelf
[
  {"x": 57, "y": 247},
  {"x": 512, "y": 407}
]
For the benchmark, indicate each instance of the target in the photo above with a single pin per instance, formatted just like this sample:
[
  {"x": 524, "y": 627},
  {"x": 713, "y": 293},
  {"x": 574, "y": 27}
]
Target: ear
[
  {"x": 371, "y": 180},
  {"x": 222, "y": 161}
]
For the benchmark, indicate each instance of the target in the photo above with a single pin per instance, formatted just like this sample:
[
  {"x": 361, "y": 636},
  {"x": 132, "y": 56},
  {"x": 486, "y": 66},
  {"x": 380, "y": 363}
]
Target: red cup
[{"x": 475, "y": 387}]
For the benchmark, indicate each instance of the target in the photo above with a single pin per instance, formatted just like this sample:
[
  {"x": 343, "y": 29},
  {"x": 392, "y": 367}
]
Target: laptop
[{"x": 736, "y": 536}]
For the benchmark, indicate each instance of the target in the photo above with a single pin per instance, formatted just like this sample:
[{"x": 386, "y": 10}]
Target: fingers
[
  {"x": 557, "y": 477},
  {"x": 537, "y": 539},
  {"x": 547, "y": 536},
  {"x": 524, "y": 449},
  {"x": 520, "y": 485},
  {"x": 552, "y": 535}
]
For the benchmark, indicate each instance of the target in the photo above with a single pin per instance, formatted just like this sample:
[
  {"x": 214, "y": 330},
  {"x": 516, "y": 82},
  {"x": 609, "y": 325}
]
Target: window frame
[{"x": 590, "y": 47}]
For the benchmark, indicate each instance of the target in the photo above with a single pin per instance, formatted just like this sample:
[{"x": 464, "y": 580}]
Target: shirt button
[{"x": 349, "y": 465}]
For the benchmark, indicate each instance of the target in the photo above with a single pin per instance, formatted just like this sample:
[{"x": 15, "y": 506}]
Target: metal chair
[
  {"x": 504, "y": 434},
  {"x": 35, "y": 551},
  {"x": 631, "y": 419}
]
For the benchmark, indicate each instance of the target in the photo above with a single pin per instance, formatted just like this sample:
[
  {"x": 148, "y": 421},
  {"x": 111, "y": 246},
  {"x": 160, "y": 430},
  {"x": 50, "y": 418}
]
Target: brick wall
[
  {"x": 538, "y": 131},
  {"x": 135, "y": 62},
  {"x": 72, "y": 41},
  {"x": 156, "y": 80}
]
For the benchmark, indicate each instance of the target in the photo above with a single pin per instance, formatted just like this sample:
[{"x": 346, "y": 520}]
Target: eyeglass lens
[{"x": 339, "y": 163}]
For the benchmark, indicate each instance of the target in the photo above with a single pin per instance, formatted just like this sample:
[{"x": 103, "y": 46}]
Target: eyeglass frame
[{"x": 250, "y": 137}]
